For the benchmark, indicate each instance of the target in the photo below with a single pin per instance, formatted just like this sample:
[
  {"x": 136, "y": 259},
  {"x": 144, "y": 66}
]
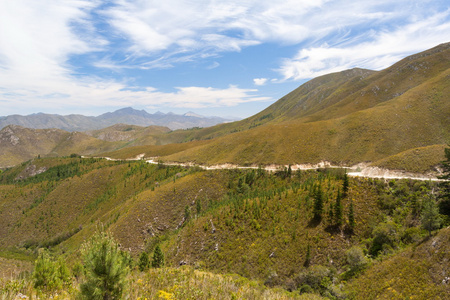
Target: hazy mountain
[{"x": 125, "y": 115}]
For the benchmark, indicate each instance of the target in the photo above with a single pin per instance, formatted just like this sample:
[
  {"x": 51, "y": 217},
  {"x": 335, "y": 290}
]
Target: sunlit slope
[
  {"x": 417, "y": 118},
  {"x": 338, "y": 94},
  {"x": 347, "y": 117},
  {"x": 19, "y": 144},
  {"x": 132, "y": 134}
]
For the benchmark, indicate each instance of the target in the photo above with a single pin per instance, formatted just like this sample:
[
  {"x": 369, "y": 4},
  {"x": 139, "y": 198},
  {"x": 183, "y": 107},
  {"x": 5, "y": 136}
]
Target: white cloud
[
  {"x": 260, "y": 81},
  {"x": 380, "y": 49},
  {"x": 41, "y": 41},
  {"x": 218, "y": 26}
]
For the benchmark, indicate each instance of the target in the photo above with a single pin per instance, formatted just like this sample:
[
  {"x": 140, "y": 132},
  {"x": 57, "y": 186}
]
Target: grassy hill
[
  {"x": 19, "y": 144},
  {"x": 253, "y": 223}
]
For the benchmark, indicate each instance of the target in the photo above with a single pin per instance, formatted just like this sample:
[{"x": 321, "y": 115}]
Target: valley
[{"x": 250, "y": 222}]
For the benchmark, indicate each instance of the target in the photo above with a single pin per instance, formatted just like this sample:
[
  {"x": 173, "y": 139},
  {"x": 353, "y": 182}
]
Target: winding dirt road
[{"x": 360, "y": 170}]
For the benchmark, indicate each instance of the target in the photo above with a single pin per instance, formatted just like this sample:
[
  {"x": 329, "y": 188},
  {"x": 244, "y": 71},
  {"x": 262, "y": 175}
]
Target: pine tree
[
  {"x": 158, "y": 258},
  {"x": 331, "y": 214},
  {"x": 318, "y": 202},
  {"x": 430, "y": 215},
  {"x": 106, "y": 268},
  {"x": 345, "y": 186},
  {"x": 187, "y": 213},
  {"x": 198, "y": 207},
  {"x": 308, "y": 256},
  {"x": 144, "y": 261},
  {"x": 444, "y": 204},
  {"x": 338, "y": 209},
  {"x": 289, "y": 172},
  {"x": 351, "y": 216}
]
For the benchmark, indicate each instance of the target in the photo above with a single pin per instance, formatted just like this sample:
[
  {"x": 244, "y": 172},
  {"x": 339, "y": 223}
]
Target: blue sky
[{"x": 222, "y": 58}]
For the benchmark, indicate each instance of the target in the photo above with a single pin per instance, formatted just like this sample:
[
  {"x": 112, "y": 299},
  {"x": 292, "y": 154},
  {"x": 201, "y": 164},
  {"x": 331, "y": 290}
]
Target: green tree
[
  {"x": 158, "y": 258},
  {"x": 318, "y": 202},
  {"x": 385, "y": 238},
  {"x": 444, "y": 204},
  {"x": 351, "y": 216},
  {"x": 431, "y": 219},
  {"x": 144, "y": 261},
  {"x": 338, "y": 210},
  {"x": 106, "y": 268},
  {"x": 331, "y": 214},
  {"x": 308, "y": 256},
  {"x": 345, "y": 186}
]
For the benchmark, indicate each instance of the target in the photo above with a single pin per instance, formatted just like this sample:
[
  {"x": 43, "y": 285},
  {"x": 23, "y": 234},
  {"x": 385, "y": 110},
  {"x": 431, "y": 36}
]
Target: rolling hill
[
  {"x": 350, "y": 117},
  {"x": 257, "y": 224}
]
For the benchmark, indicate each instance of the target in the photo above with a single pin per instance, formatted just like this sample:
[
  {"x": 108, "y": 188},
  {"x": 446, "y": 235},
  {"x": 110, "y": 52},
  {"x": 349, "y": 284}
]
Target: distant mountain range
[{"x": 125, "y": 115}]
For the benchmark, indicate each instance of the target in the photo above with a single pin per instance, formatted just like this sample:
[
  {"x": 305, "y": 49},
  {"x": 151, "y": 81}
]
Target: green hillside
[{"x": 264, "y": 227}]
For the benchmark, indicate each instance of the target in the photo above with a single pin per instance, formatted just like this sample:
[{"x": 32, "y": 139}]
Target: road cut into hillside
[{"x": 359, "y": 170}]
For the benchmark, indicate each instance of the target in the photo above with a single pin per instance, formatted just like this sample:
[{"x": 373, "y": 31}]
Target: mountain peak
[
  {"x": 130, "y": 111},
  {"x": 192, "y": 114}
]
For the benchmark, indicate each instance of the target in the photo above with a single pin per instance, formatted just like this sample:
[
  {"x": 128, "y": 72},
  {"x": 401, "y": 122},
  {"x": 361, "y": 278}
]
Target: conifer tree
[
  {"x": 430, "y": 215},
  {"x": 144, "y": 261},
  {"x": 289, "y": 172},
  {"x": 318, "y": 202},
  {"x": 187, "y": 213},
  {"x": 444, "y": 204},
  {"x": 331, "y": 214},
  {"x": 338, "y": 209},
  {"x": 345, "y": 186},
  {"x": 106, "y": 268},
  {"x": 158, "y": 258},
  {"x": 351, "y": 216},
  {"x": 198, "y": 207},
  {"x": 308, "y": 256}
]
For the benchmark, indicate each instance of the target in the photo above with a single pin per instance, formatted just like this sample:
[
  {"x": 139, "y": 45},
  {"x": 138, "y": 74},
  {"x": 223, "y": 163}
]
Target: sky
[{"x": 215, "y": 58}]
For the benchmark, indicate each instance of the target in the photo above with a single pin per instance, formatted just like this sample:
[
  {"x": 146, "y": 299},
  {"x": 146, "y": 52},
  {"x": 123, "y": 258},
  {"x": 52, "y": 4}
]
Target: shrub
[
  {"x": 106, "y": 268},
  {"x": 385, "y": 237},
  {"x": 317, "y": 277},
  {"x": 50, "y": 275},
  {"x": 412, "y": 235},
  {"x": 356, "y": 258}
]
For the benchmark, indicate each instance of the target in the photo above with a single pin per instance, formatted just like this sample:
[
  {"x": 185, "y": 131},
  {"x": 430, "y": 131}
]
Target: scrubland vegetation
[
  {"x": 74, "y": 228},
  {"x": 167, "y": 232}
]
